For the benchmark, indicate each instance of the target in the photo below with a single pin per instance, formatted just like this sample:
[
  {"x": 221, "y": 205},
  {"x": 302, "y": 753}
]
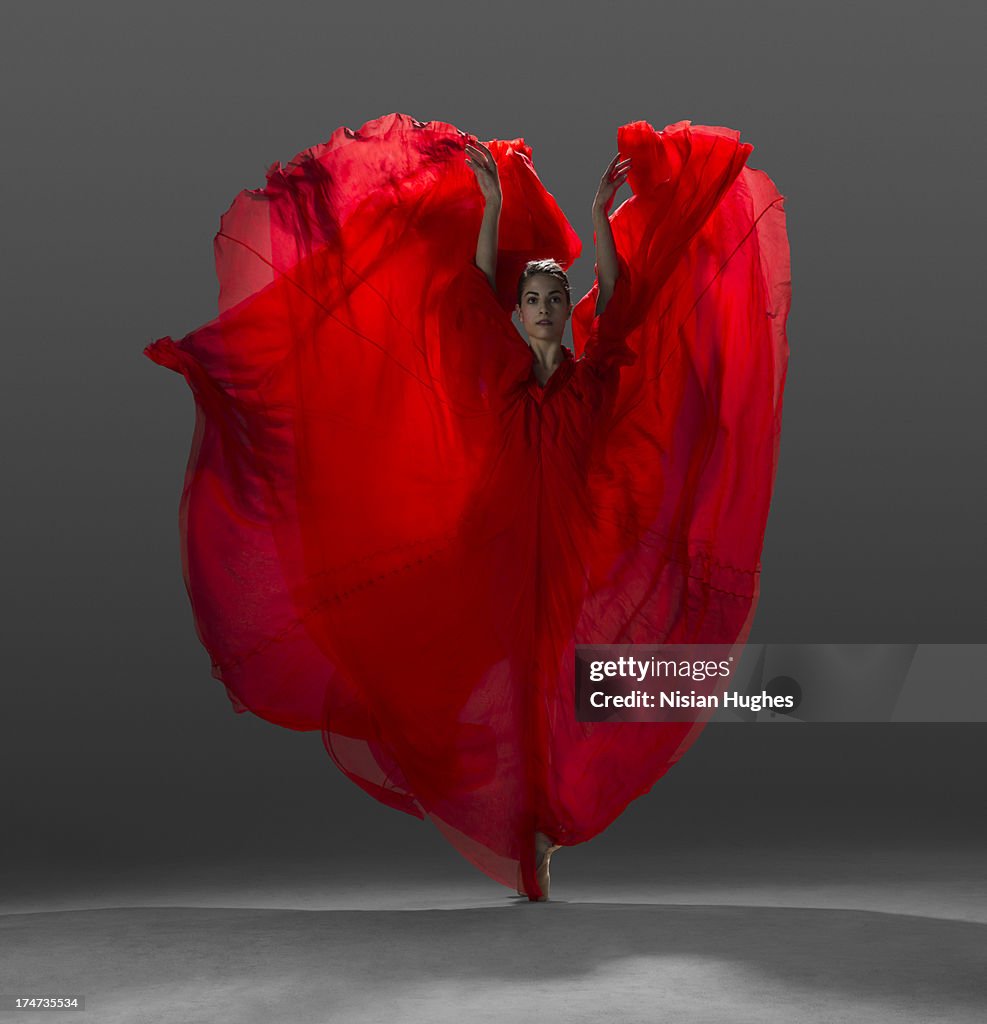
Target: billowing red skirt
[{"x": 392, "y": 533}]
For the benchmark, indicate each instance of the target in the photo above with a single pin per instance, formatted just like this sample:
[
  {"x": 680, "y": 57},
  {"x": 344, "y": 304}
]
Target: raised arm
[
  {"x": 607, "y": 267},
  {"x": 484, "y": 167}
]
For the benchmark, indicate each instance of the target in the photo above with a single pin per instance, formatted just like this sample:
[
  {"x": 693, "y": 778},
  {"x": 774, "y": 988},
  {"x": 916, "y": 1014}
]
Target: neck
[{"x": 548, "y": 353}]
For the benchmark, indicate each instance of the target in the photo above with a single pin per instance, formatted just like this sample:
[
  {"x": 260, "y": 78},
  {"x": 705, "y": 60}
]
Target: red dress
[{"x": 392, "y": 533}]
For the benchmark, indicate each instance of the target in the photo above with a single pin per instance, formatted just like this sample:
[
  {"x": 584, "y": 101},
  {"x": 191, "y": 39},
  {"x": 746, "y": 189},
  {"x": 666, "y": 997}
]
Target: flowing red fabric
[{"x": 391, "y": 532}]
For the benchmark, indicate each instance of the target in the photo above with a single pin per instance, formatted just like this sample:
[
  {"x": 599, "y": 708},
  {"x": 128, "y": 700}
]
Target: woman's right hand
[
  {"x": 613, "y": 177},
  {"x": 484, "y": 167}
]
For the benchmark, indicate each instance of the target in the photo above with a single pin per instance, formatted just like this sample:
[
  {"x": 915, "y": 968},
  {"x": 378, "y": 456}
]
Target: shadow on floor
[{"x": 571, "y": 961}]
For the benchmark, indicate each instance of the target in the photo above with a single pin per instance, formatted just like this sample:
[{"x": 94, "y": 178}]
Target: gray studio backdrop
[{"x": 129, "y": 128}]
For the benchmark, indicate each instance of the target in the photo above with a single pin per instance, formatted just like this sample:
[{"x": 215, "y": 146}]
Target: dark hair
[{"x": 549, "y": 267}]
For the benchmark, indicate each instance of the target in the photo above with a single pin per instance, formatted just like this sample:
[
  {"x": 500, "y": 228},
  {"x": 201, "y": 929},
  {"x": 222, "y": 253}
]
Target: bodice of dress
[{"x": 569, "y": 411}]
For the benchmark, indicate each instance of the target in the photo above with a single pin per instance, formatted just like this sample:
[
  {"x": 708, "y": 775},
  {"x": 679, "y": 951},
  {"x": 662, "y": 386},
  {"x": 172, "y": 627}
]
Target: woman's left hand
[{"x": 613, "y": 177}]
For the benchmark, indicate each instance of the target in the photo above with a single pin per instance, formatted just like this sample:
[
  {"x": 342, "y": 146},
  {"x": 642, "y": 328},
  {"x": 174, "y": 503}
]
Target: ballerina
[
  {"x": 544, "y": 307},
  {"x": 401, "y": 514}
]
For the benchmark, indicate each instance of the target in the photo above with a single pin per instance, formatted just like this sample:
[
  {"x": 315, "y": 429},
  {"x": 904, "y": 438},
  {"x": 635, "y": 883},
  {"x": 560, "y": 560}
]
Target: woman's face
[{"x": 544, "y": 308}]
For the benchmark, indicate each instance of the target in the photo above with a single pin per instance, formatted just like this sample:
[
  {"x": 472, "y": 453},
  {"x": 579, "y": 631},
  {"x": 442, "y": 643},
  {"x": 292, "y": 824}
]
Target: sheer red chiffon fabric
[{"x": 392, "y": 533}]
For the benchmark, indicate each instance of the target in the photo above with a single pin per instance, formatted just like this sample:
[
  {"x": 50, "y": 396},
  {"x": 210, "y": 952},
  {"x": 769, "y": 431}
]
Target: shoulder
[{"x": 596, "y": 365}]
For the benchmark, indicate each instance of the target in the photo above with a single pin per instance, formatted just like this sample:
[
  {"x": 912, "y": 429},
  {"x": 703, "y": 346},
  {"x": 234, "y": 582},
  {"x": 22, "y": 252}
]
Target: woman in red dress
[
  {"x": 544, "y": 306},
  {"x": 400, "y": 517}
]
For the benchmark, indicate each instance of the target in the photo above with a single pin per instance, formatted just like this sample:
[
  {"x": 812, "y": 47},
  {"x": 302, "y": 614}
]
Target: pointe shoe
[{"x": 544, "y": 848}]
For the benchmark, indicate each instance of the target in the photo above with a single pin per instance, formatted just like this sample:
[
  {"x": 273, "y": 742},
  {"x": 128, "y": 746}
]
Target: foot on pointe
[{"x": 544, "y": 848}]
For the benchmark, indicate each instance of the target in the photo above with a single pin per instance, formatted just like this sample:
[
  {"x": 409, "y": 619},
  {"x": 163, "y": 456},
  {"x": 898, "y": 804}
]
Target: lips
[{"x": 549, "y": 322}]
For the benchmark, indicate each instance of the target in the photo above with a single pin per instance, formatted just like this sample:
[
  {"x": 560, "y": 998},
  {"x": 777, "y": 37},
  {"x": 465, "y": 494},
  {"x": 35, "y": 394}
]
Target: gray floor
[{"x": 781, "y": 932}]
